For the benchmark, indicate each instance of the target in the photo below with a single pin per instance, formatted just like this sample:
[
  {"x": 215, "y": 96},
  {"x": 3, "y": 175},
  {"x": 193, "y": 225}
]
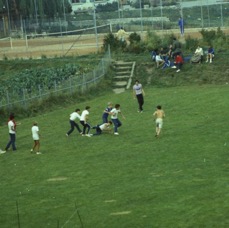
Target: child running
[
  {"x": 114, "y": 117},
  {"x": 106, "y": 112},
  {"x": 159, "y": 115}
]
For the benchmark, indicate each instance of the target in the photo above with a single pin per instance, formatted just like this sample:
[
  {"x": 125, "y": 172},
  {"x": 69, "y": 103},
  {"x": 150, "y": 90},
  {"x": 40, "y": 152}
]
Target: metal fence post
[
  {"x": 70, "y": 84},
  {"x": 94, "y": 76},
  {"x": 7, "y": 98}
]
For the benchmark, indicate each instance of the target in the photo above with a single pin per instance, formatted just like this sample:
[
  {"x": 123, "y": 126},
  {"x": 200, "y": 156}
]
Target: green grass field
[{"x": 130, "y": 180}]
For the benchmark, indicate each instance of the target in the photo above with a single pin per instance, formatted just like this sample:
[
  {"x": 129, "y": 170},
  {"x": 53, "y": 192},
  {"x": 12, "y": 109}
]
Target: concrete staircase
[{"x": 123, "y": 75}]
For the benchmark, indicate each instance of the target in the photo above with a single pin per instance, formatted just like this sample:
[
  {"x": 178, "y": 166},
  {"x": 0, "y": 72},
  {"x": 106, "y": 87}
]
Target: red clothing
[{"x": 179, "y": 59}]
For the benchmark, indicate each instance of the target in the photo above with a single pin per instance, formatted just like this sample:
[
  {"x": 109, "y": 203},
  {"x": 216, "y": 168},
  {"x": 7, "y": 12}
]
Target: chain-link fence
[{"x": 75, "y": 84}]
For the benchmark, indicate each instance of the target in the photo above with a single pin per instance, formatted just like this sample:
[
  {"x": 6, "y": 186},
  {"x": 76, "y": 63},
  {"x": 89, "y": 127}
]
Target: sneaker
[
  {"x": 88, "y": 135},
  {"x": 2, "y": 151},
  {"x": 67, "y": 135},
  {"x": 210, "y": 61},
  {"x": 178, "y": 70},
  {"x": 38, "y": 152},
  {"x": 31, "y": 150},
  {"x": 174, "y": 67},
  {"x": 83, "y": 134},
  {"x": 116, "y": 133}
]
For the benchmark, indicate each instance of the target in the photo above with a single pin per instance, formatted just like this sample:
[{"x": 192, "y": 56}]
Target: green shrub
[
  {"x": 208, "y": 36},
  {"x": 153, "y": 41},
  {"x": 134, "y": 38},
  {"x": 167, "y": 40},
  {"x": 191, "y": 43},
  {"x": 111, "y": 40}
]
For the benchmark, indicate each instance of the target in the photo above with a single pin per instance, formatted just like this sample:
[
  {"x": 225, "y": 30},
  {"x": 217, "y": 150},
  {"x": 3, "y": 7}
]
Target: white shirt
[
  {"x": 83, "y": 115},
  {"x": 11, "y": 126},
  {"x": 158, "y": 58},
  {"x": 138, "y": 88},
  {"x": 35, "y": 132},
  {"x": 199, "y": 50},
  {"x": 74, "y": 116},
  {"x": 104, "y": 126},
  {"x": 115, "y": 112}
]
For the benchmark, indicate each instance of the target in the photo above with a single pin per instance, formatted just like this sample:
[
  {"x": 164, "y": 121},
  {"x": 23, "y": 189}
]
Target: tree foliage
[{"x": 35, "y": 8}]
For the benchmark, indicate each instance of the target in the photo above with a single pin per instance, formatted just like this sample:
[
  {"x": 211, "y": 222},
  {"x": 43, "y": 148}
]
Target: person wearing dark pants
[
  {"x": 75, "y": 115},
  {"x": 84, "y": 121},
  {"x": 102, "y": 127},
  {"x": 139, "y": 93},
  {"x": 114, "y": 117},
  {"x": 12, "y": 133}
]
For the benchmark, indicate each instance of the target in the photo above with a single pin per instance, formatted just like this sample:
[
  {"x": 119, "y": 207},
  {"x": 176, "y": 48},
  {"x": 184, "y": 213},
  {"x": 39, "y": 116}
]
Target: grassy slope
[{"x": 179, "y": 180}]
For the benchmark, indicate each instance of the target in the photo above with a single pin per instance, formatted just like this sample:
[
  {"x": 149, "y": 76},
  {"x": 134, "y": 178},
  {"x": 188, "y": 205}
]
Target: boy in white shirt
[
  {"x": 36, "y": 138},
  {"x": 102, "y": 127},
  {"x": 84, "y": 121},
  {"x": 114, "y": 117},
  {"x": 73, "y": 116},
  {"x": 12, "y": 133}
]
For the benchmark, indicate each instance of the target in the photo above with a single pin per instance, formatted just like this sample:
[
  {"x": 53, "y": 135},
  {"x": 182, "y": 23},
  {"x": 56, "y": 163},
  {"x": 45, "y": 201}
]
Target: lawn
[{"x": 130, "y": 180}]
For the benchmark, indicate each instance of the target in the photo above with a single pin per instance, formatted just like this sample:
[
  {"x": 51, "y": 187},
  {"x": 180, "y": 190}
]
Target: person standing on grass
[
  {"x": 12, "y": 133},
  {"x": 84, "y": 121},
  {"x": 181, "y": 25},
  {"x": 159, "y": 115},
  {"x": 73, "y": 116},
  {"x": 114, "y": 117},
  {"x": 36, "y": 138},
  {"x": 106, "y": 112},
  {"x": 139, "y": 93},
  {"x": 102, "y": 127}
]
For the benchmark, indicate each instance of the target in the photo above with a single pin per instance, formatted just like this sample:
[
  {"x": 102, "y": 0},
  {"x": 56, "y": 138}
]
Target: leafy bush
[
  {"x": 191, "y": 43},
  {"x": 134, "y": 37},
  {"x": 153, "y": 41},
  {"x": 111, "y": 40},
  {"x": 208, "y": 36}
]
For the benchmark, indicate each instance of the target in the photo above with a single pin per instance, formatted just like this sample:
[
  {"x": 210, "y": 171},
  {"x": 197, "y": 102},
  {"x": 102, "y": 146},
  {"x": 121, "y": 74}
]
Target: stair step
[
  {"x": 122, "y": 74},
  {"x": 122, "y": 77},
  {"x": 119, "y": 90},
  {"x": 120, "y": 84}
]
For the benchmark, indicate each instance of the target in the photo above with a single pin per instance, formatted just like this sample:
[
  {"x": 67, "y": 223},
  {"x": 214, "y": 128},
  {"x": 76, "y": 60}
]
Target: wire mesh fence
[{"x": 74, "y": 84}]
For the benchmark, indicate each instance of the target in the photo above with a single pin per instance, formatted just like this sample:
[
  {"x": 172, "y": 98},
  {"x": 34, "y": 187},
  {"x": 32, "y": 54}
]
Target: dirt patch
[{"x": 57, "y": 179}]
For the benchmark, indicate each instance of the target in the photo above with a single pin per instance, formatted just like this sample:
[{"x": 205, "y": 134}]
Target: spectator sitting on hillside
[
  {"x": 210, "y": 54},
  {"x": 176, "y": 47},
  {"x": 163, "y": 53},
  {"x": 170, "y": 51},
  {"x": 178, "y": 62},
  {"x": 159, "y": 60},
  {"x": 198, "y": 55},
  {"x": 153, "y": 55}
]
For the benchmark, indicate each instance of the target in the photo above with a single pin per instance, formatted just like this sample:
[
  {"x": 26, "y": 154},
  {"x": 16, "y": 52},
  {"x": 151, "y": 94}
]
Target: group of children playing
[
  {"x": 83, "y": 118},
  {"x": 105, "y": 126}
]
